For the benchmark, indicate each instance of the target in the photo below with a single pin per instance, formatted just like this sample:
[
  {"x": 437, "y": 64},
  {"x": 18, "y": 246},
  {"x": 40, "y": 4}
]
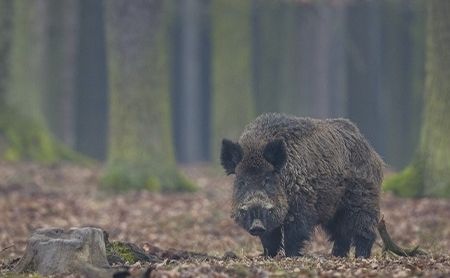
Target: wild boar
[{"x": 293, "y": 174}]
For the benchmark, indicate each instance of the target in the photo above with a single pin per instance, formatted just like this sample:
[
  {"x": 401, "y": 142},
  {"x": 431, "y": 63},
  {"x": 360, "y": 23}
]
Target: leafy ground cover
[{"x": 33, "y": 196}]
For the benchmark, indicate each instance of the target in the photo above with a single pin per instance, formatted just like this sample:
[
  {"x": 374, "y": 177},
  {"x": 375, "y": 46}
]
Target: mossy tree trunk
[
  {"x": 22, "y": 121},
  {"x": 140, "y": 151},
  {"x": 232, "y": 100},
  {"x": 429, "y": 173}
]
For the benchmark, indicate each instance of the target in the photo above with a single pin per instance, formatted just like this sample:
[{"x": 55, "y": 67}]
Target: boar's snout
[
  {"x": 254, "y": 218},
  {"x": 257, "y": 228}
]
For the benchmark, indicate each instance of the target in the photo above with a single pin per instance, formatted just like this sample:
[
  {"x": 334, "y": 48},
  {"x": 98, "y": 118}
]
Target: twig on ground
[{"x": 6, "y": 248}]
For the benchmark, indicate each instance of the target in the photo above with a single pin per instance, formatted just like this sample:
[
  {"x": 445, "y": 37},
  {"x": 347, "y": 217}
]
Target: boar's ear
[
  {"x": 230, "y": 155},
  {"x": 275, "y": 153}
]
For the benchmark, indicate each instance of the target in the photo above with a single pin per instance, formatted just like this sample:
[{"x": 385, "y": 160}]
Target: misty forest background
[{"x": 144, "y": 86}]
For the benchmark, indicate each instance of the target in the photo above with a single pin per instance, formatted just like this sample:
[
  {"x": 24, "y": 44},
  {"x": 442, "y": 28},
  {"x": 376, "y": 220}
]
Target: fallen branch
[{"x": 390, "y": 245}]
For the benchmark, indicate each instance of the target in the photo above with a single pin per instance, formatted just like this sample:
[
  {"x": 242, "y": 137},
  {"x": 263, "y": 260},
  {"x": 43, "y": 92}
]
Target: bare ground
[{"x": 33, "y": 196}]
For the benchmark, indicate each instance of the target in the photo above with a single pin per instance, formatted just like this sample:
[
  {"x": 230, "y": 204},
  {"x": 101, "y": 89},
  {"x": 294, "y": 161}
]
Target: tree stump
[{"x": 55, "y": 251}]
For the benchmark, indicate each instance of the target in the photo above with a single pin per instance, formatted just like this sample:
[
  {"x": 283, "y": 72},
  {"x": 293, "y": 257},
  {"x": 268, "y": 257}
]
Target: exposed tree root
[{"x": 391, "y": 246}]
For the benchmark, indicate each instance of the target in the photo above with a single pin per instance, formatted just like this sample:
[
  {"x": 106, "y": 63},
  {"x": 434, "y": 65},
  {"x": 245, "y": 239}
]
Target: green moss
[
  {"x": 117, "y": 248},
  {"x": 26, "y": 139},
  {"x": 153, "y": 184},
  {"x": 184, "y": 184},
  {"x": 123, "y": 177},
  {"x": 407, "y": 183}
]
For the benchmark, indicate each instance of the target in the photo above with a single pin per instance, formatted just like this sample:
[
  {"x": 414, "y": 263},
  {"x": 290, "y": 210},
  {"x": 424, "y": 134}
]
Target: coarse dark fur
[{"x": 294, "y": 173}]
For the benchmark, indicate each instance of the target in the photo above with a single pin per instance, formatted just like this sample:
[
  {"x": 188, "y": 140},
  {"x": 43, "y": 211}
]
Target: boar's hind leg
[
  {"x": 271, "y": 242},
  {"x": 339, "y": 233},
  {"x": 295, "y": 236},
  {"x": 363, "y": 245},
  {"x": 362, "y": 205},
  {"x": 341, "y": 246},
  {"x": 364, "y": 235}
]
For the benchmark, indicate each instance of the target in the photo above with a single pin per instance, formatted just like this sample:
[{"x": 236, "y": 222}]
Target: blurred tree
[
  {"x": 140, "y": 153},
  {"x": 232, "y": 101},
  {"x": 402, "y": 75},
  {"x": 292, "y": 96},
  {"x": 191, "y": 88},
  {"x": 298, "y": 68},
  {"x": 331, "y": 80},
  {"x": 429, "y": 173},
  {"x": 91, "y": 77},
  {"x": 60, "y": 78},
  {"x": 324, "y": 65},
  {"x": 364, "y": 70},
  {"x": 6, "y": 28},
  {"x": 22, "y": 121},
  {"x": 296, "y": 48},
  {"x": 6, "y": 18},
  {"x": 268, "y": 45}
]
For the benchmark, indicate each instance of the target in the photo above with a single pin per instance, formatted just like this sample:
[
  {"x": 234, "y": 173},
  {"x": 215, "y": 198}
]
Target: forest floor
[{"x": 33, "y": 196}]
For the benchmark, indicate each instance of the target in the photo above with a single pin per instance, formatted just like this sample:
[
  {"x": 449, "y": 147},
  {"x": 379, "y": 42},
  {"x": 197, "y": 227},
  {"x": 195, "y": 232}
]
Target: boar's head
[{"x": 259, "y": 202}]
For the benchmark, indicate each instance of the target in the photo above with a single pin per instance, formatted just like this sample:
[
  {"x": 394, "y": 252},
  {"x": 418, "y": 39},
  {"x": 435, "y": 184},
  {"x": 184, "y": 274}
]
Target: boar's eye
[
  {"x": 269, "y": 184},
  {"x": 240, "y": 183}
]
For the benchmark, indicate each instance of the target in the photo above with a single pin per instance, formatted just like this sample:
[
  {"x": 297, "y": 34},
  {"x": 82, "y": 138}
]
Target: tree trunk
[
  {"x": 325, "y": 66},
  {"x": 299, "y": 100},
  {"x": 429, "y": 173},
  {"x": 268, "y": 44},
  {"x": 140, "y": 151},
  {"x": 191, "y": 81},
  {"x": 333, "y": 32},
  {"x": 61, "y": 50},
  {"x": 6, "y": 28},
  {"x": 22, "y": 120},
  {"x": 6, "y": 19},
  {"x": 296, "y": 50},
  {"x": 291, "y": 96},
  {"x": 91, "y": 103},
  {"x": 363, "y": 70},
  {"x": 402, "y": 76},
  {"x": 29, "y": 61},
  {"x": 232, "y": 102}
]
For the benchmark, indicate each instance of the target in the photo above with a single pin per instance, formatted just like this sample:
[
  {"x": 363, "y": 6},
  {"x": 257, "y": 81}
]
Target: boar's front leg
[
  {"x": 296, "y": 234},
  {"x": 272, "y": 242}
]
